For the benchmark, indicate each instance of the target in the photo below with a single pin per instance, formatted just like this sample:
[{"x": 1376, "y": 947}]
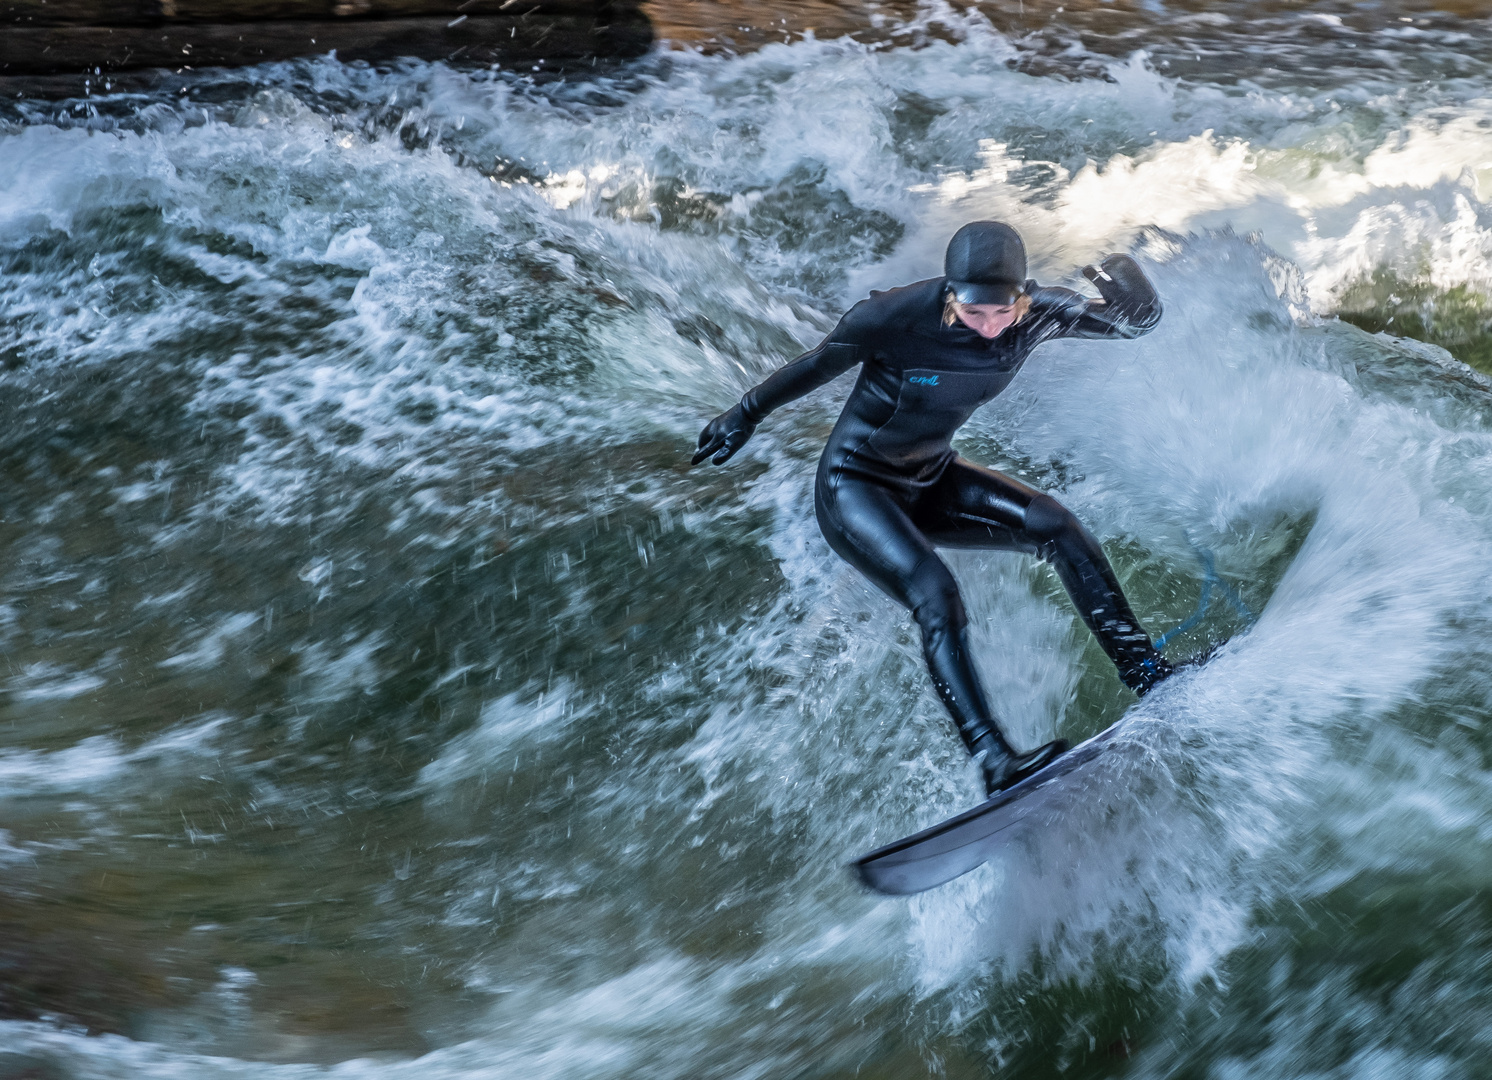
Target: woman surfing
[{"x": 890, "y": 490}]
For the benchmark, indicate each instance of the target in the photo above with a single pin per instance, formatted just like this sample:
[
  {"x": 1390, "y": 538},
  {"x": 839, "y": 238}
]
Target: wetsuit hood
[{"x": 985, "y": 263}]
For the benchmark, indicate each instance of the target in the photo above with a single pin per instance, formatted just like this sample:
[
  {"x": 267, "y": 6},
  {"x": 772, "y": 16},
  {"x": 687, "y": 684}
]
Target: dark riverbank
[{"x": 59, "y": 48}]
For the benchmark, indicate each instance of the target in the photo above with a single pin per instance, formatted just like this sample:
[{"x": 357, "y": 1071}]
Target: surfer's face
[{"x": 988, "y": 320}]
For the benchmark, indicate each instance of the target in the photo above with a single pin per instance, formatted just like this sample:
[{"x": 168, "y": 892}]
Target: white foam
[
  {"x": 508, "y": 725},
  {"x": 98, "y": 763}
]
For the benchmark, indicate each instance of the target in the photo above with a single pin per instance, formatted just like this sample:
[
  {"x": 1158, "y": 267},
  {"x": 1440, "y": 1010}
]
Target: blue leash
[{"x": 1209, "y": 581}]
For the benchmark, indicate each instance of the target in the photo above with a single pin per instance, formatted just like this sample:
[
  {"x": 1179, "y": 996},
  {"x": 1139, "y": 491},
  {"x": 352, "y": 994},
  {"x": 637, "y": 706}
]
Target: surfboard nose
[{"x": 966, "y": 841}]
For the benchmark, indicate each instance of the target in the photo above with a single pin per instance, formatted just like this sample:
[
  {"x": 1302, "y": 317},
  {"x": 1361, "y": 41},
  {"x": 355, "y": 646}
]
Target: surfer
[{"x": 890, "y": 489}]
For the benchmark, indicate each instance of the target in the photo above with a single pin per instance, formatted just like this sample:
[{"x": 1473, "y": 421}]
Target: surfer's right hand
[{"x": 723, "y": 436}]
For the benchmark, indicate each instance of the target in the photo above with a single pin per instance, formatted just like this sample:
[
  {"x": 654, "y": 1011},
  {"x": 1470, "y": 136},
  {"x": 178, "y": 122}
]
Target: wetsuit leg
[
  {"x": 868, "y": 526},
  {"x": 975, "y": 507}
]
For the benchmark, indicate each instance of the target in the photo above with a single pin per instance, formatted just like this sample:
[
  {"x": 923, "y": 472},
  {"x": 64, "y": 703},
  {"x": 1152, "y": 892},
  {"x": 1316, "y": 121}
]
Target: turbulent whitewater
[{"x": 384, "y": 697}]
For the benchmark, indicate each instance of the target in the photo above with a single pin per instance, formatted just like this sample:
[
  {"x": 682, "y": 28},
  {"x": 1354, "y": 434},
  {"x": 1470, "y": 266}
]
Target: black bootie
[
  {"x": 1143, "y": 674},
  {"x": 1003, "y": 769},
  {"x": 958, "y": 686}
]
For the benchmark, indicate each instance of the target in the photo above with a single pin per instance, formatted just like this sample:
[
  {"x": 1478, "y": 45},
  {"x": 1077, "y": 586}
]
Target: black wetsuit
[{"x": 890, "y": 489}]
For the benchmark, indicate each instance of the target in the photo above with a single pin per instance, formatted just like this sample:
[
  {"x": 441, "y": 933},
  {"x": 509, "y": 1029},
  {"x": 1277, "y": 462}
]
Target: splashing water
[{"x": 385, "y": 697}]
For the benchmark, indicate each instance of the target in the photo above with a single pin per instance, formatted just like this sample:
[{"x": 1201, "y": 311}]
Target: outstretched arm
[
  {"x": 1129, "y": 306},
  {"x": 728, "y": 432},
  {"x": 820, "y": 365}
]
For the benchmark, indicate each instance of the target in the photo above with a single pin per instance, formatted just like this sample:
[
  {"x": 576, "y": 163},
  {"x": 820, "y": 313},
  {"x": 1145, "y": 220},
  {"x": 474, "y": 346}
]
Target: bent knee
[
  {"x": 936, "y": 603},
  {"x": 1048, "y": 520}
]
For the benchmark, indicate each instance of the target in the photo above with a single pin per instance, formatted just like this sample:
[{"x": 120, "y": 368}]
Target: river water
[{"x": 383, "y": 697}]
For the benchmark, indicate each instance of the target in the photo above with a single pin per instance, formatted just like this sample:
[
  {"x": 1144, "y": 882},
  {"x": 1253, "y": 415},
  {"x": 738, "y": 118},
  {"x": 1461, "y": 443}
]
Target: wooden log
[
  {"x": 544, "y": 30},
  {"x": 94, "y": 13},
  {"x": 22, "y": 13}
]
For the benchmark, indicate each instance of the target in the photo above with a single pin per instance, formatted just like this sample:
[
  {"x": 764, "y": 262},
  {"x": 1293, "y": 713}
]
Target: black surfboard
[{"x": 964, "y": 842}]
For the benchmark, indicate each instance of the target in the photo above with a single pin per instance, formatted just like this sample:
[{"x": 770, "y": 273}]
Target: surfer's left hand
[
  {"x": 1120, "y": 280},
  {"x": 1124, "y": 286}
]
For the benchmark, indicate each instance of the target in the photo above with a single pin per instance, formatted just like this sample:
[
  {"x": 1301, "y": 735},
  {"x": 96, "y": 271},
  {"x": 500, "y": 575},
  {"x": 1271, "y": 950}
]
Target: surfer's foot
[
  {"x": 1155, "y": 669},
  {"x": 1145, "y": 675},
  {"x": 1002, "y": 770}
]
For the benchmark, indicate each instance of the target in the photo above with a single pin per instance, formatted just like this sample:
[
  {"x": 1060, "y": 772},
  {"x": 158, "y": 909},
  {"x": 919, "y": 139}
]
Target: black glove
[
  {"x": 723, "y": 436},
  {"x": 1125, "y": 289}
]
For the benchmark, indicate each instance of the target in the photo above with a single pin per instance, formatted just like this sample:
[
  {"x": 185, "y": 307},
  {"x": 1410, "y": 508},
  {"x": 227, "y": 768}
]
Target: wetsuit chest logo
[{"x": 923, "y": 380}]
